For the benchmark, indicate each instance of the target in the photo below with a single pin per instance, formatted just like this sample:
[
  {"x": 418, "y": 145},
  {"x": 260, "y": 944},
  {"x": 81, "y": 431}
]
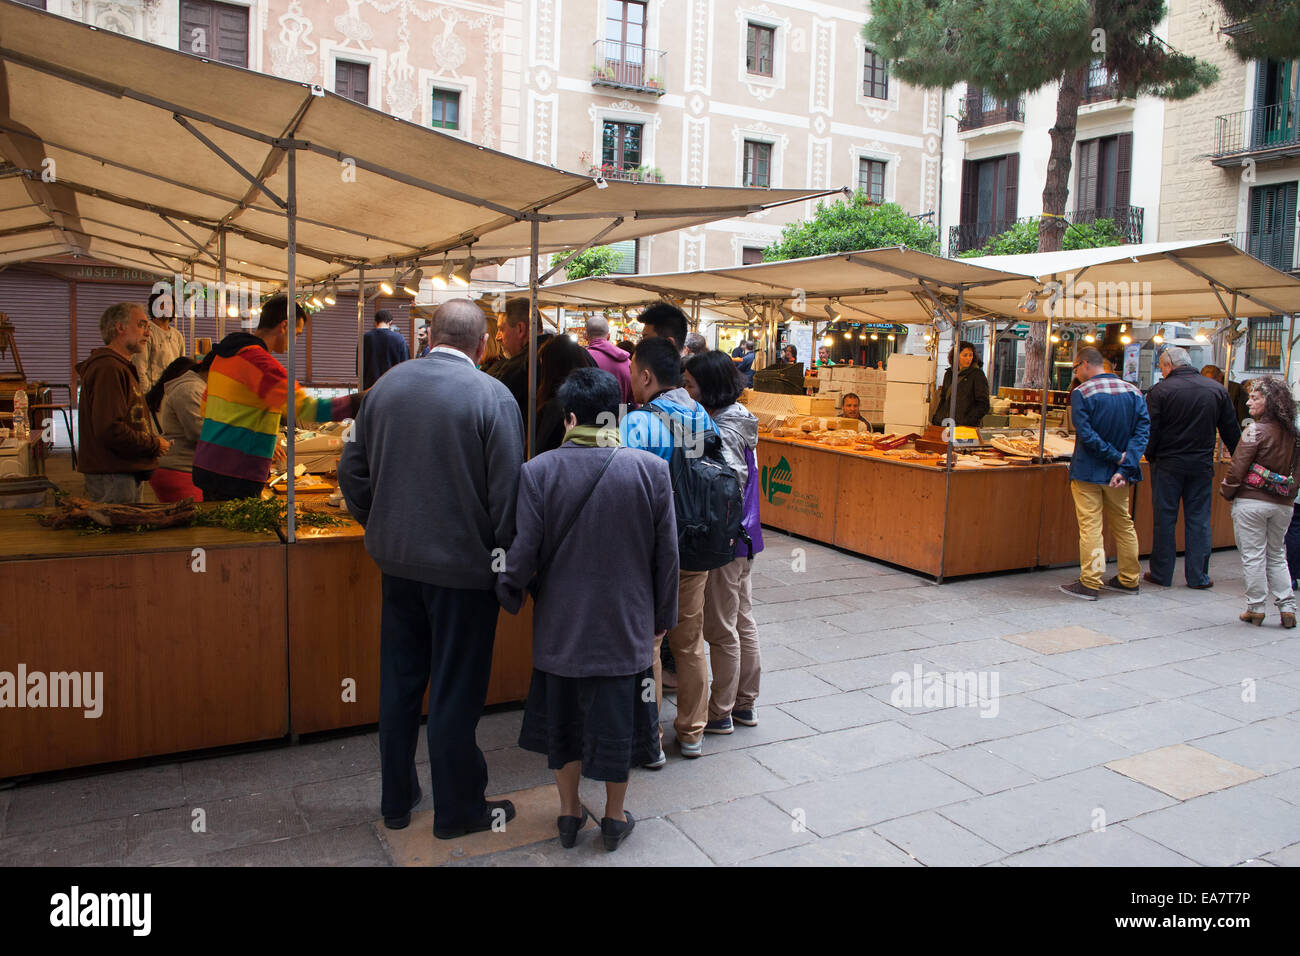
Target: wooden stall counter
[
  {"x": 137, "y": 644},
  {"x": 335, "y": 604}
]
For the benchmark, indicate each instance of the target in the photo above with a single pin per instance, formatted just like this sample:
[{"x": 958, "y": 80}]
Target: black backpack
[{"x": 708, "y": 499}]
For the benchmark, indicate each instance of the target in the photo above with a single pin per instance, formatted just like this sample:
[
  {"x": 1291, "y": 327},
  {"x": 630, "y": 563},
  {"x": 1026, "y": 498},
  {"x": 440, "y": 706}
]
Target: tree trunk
[{"x": 1051, "y": 228}]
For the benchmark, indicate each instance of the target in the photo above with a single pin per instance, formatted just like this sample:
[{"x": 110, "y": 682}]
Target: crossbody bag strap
[{"x": 568, "y": 525}]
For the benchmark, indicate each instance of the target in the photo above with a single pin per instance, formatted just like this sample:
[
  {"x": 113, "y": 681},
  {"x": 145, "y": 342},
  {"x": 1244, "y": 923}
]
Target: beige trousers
[
  {"x": 732, "y": 636},
  {"x": 686, "y": 641}
]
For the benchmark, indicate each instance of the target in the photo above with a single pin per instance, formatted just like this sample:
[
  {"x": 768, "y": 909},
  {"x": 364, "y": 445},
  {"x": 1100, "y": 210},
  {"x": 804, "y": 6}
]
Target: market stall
[
  {"x": 287, "y": 186},
  {"x": 949, "y": 513}
]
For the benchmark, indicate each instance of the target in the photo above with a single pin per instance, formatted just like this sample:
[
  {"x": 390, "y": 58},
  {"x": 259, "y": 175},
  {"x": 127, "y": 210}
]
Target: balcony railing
[
  {"x": 626, "y": 66},
  {"x": 1277, "y": 249},
  {"x": 1257, "y": 130},
  {"x": 974, "y": 235},
  {"x": 627, "y": 174},
  {"x": 980, "y": 109}
]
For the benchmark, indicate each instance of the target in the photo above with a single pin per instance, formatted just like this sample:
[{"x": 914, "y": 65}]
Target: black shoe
[
  {"x": 569, "y": 827},
  {"x": 614, "y": 832},
  {"x": 404, "y": 821},
  {"x": 1146, "y": 576},
  {"x": 477, "y": 826},
  {"x": 1202, "y": 587},
  {"x": 1114, "y": 585}
]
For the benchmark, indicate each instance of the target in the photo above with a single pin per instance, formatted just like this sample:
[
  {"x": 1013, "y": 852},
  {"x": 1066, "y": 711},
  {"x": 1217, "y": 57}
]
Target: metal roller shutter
[
  {"x": 37, "y": 305},
  {"x": 92, "y": 299},
  {"x": 334, "y": 337}
]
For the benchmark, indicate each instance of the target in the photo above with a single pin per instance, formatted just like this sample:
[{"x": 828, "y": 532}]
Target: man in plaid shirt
[{"x": 1111, "y": 429}]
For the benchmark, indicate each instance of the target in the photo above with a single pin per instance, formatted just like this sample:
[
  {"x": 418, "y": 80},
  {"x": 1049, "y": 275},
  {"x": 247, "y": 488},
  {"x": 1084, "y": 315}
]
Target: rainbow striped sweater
[{"x": 247, "y": 393}]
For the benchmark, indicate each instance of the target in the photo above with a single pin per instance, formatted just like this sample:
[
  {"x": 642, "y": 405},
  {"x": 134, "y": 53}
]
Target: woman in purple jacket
[
  {"x": 713, "y": 380},
  {"x": 592, "y": 510}
]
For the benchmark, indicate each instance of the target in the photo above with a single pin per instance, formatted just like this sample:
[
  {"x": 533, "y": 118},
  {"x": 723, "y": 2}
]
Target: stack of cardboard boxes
[
  {"x": 867, "y": 383},
  {"x": 909, "y": 382}
]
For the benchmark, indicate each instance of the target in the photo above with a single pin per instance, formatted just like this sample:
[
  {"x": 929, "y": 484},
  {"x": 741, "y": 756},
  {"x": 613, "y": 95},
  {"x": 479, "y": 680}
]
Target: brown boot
[
  {"x": 1288, "y": 619},
  {"x": 1257, "y": 618}
]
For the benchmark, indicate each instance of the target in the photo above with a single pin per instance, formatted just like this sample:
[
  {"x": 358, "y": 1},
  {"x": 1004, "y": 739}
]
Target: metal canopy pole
[
  {"x": 533, "y": 319},
  {"x": 954, "y": 367},
  {"x": 222, "y": 297},
  {"x": 361, "y": 318},
  {"x": 1047, "y": 375},
  {"x": 291, "y": 290}
]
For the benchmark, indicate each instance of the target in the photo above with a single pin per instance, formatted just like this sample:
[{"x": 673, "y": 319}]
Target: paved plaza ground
[{"x": 1152, "y": 730}]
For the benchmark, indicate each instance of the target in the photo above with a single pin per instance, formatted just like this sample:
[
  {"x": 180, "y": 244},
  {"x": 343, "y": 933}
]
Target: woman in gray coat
[{"x": 590, "y": 512}]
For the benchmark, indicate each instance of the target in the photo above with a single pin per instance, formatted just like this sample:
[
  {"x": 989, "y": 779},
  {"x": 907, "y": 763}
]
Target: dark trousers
[
  {"x": 224, "y": 488},
  {"x": 440, "y": 638},
  {"x": 1293, "y": 543},
  {"x": 1191, "y": 488}
]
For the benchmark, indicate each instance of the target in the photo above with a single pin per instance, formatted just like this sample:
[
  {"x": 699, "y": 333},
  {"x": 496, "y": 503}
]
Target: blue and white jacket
[{"x": 1110, "y": 421}]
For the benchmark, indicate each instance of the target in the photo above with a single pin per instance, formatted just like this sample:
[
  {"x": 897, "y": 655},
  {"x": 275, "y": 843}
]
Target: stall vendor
[
  {"x": 852, "y": 408},
  {"x": 247, "y": 392},
  {"x": 972, "y": 392},
  {"x": 824, "y": 357}
]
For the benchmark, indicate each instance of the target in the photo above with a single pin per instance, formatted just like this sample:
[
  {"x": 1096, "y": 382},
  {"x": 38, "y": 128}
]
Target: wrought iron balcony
[
  {"x": 1271, "y": 129},
  {"x": 1128, "y": 222},
  {"x": 629, "y": 174},
  {"x": 979, "y": 109},
  {"x": 1277, "y": 249},
  {"x": 626, "y": 66}
]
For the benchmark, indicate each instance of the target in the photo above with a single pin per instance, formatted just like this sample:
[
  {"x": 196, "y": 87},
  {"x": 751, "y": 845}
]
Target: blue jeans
[
  {"x": 1169, "y": 488},
  {"x": 1293, "y": 543},
  {"x": 439, "y": 638}
]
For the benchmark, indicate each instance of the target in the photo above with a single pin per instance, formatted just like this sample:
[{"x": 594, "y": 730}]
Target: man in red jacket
[{"x": 119, "y": 447}]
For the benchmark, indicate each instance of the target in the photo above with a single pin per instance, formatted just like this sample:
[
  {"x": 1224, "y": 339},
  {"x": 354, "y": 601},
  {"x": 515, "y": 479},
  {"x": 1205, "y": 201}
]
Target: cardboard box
[
  {"x": 912, "y": 393},
  {"x": 910, "y": 413},
  {"x": 910, "y": 368}
]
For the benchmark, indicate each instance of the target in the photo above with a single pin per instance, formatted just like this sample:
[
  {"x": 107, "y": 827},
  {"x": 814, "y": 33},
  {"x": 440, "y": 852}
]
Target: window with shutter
[
  {"x": 1264, "y": 344},
  {"x": 1104, "y": 177},
  {"x": 751, "y": 255},
  {"x": 1272, "y": 225},
  {"x": 216, "y": 31},
  {"x": 446, "y": 109},
  {"x": 629, "y": 261},
  {"x": 352, "y": 80}
]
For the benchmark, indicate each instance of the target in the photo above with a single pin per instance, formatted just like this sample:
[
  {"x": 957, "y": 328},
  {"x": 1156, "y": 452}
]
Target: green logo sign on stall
[{"x": 777, "y": 481}]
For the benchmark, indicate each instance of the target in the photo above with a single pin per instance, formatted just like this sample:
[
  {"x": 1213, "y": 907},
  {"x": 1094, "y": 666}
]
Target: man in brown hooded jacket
[{"x": 119, "y": 447}]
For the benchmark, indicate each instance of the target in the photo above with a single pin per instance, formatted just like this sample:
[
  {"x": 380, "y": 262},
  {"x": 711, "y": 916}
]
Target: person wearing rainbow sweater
[{"x": 246, "y": 396}]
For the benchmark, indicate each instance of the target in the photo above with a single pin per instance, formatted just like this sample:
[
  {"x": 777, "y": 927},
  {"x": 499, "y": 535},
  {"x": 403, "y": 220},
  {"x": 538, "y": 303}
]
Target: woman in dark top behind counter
[
  {"x": 556, "y": 359},
  {"x": 972, "y": 391}
]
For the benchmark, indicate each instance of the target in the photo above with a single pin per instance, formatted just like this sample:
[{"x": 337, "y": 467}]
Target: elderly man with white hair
[{"x": 1186, "y": 409}]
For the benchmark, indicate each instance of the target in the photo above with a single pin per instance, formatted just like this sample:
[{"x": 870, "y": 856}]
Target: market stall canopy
[
  {"x": 874, "y": 285},
  {"x": 1164, "y": 281},
  {"x": 140, "y": 155}
]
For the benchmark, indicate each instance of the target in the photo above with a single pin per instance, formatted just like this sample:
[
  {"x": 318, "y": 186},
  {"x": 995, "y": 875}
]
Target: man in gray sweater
[{"x": 432, "y": 473}]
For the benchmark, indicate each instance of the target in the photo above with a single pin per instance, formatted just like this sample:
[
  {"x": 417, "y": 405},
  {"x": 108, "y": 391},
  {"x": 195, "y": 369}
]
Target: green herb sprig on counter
[{"x": 262, "y": 515}]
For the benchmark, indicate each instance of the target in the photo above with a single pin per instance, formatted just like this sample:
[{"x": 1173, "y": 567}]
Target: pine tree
[
  {"x": 1012, "y": 47},
  {"x": 1258, "y": 29}
]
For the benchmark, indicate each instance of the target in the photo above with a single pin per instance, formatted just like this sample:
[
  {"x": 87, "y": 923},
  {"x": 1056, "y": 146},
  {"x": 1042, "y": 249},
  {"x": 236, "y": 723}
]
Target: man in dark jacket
[
  {"x": 119, "y": 447},
  {"x": 512, "y": 333},
  {"x": 381, "y": 348},
  {"x": 1111, "y": 427},
  {"x": 1186, "y": 408},
  {"x": 432, "y": 472}
]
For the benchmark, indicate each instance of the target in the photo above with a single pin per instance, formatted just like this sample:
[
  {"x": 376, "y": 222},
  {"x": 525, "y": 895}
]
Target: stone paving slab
[
  {"x": 825, "y": 650},
  {"x": 857, "y": 848},
  {"x": 1269, "y": 746},
  {"x": 1046, "y": 812},
  {"x": 215, "y": 778},
  {"x": 740, "y": 830},
  {"x": 1059, "y": 640},
  {"x": 785, "y": 686},
  {"x": 688, "y": 784},
  {"x": 1224, "y": 828},
  {"x": 979, "y": 768},
  {"x": 5, "y": 797},
  {"x": 1088, "y": 698},
  {"x": 167, "y": 835},
  {"x": 1289, "y": 856},
  {"x": 1159, "y": 725},
  {"x": 1115, "y": 846},
  {"x": 841, "y": 711},
  {"x": 1231, "y": 667},
  {"x": 57, "y": 804},
  {"x": 935, "y": 840},
  {"x": 1056, "y": 751},
  {"x": 535, "y": 808},
  {"x": 777, "y": 657},
  {"x": 1162, "y": 683},
  {"x": 871, "y": 796},
  {"x": 774, "y": 724},
  {"x": 846, "y": 751},
  {"x": 1182, "y": 771},
  {"x": 356, "y": 845},
  {"x": 959, "y": 726},
  {"x": 1258, "y": 700},
  {"x": 96, "y": 843}
]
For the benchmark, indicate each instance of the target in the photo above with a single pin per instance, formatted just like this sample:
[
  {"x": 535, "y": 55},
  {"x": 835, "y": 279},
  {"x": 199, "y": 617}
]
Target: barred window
[{"x": 1264, "y": 344}]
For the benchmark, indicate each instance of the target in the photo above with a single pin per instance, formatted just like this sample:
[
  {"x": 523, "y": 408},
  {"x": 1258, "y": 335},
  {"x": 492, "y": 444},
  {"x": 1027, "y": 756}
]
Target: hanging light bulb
[
  {"x": 1201, "y": 337},
  {"x": 1158, "y": 339},
  {"x": 331, "y": 293},
  {"x": 232, "y": 311},
  {"x": 315, "y": 302},
  {"x": 1090, "y": 338},
  {"x": 832, "y": 311},
  {"x": 1123, "y": 327},
  {"x": 862, "y": 336},
  {"x": 1125, "y": 339},
  {"x": 890, "y": 336},
  {"x": 828, "y": 341},
  {"x": 388, "y": 286},
  {"x": 1056, "y": 339},
  {"x": 875, "y": 337},
  {"x": 412, "y": 284},
  {"x": 848, "y": 334}
]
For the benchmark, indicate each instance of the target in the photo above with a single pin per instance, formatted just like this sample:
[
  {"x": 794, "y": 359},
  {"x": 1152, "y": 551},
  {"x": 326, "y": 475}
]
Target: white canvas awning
[{"x": 140, "y": 155}]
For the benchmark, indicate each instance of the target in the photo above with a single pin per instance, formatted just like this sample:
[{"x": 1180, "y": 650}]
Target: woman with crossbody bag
[{"x": 1261, "y": 484}]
